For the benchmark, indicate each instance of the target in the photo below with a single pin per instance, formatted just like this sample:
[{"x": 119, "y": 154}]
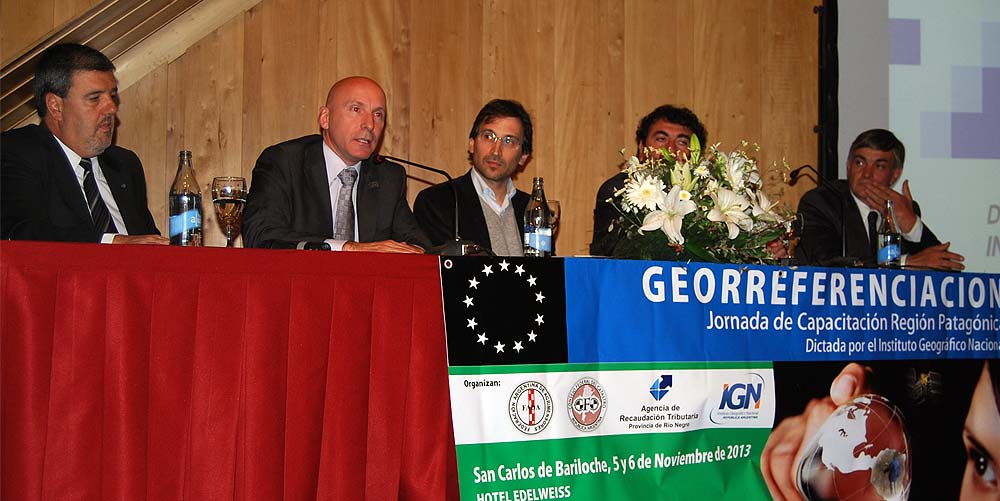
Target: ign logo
[
  {"x": 741, "y": 396},
  {"x": 740, "y": 401}
]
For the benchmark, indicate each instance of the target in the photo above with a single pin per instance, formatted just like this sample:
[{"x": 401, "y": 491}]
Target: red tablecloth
[{"x": 136, "y": 372}]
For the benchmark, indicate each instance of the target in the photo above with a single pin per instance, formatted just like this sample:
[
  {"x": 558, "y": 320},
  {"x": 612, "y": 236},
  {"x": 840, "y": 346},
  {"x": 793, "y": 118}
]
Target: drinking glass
[
  {"x": 229, "y": 195},
  {"x": 555, "y": 209}
]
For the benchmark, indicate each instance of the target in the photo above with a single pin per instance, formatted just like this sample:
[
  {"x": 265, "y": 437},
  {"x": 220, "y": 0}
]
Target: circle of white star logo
[{"x": 521, "y": 278}]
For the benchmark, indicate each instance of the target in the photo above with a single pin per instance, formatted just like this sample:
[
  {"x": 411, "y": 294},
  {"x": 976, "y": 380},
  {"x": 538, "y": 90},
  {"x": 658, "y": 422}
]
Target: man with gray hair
[
  {"x": 63, "y": 180},
  {"x": 840, "y": 219}
]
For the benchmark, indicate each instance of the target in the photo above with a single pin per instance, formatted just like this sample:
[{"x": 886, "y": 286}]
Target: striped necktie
[{"x": 98, "y": 210}]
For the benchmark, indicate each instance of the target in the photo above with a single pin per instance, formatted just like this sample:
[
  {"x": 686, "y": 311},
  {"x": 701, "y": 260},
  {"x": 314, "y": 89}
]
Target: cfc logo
[{"x": 587, "y": 402}]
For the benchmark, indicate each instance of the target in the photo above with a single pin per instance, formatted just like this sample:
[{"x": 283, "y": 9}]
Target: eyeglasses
[{"x": 505, "y": 142}]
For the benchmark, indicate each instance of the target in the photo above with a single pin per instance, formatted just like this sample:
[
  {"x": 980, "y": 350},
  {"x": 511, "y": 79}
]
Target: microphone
[
  {"x": 793, "y": 176},
  {"x": 842, "y": 261},
  {"x": 303, "y": 245},
  {"x": 457, "y": 246}
]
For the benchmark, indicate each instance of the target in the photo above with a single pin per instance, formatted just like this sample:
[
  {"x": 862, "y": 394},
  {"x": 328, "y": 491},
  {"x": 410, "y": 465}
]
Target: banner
[
  {"x": 665, "y": 380},
  {"x": 699, "y": 311}
]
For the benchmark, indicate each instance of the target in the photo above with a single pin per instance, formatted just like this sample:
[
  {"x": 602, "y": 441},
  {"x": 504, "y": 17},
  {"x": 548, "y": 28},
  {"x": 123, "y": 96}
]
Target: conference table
[
  {"x": 142, "y": 372},
  {"x": 145, "y": 372}
]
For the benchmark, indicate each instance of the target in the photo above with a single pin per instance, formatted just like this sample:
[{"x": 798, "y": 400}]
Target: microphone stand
[
  {"x": 457, "y": 246},
  {"x": 842, "y": 261}
]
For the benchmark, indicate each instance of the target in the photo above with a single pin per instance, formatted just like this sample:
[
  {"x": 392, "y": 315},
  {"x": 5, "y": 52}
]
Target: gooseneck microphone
[
  {"x": 842, "y": 261},
  {"x": 457, "y": 246}
]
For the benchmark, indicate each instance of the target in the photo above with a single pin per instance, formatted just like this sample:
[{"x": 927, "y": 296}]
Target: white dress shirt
[
  {"x": 486, "y": 193},
  {"x": 102, "y": 188},
  {"x": 334, "y": 164}
]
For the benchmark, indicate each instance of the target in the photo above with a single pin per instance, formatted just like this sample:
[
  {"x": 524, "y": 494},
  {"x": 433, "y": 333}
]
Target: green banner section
[
  {"x": 473, "y": 370},
  {"x": 705, "y": 464}
]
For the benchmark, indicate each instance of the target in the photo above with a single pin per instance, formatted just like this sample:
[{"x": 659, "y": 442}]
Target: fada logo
[
  {"x": 530, "y": 407},
  {"x": 661, "y": 386},
  {"x": 587, "y": 403},
  {"x": 740, "y": 400}
]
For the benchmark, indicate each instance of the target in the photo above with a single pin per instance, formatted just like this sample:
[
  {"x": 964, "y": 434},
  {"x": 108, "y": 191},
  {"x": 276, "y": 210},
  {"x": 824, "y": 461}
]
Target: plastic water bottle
[
  {"x": 185, "y": 205},
  {"x": 537, "y": 223}
]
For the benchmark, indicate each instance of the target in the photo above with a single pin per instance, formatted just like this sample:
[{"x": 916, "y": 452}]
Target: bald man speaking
[{"x": 326, "y": 190}]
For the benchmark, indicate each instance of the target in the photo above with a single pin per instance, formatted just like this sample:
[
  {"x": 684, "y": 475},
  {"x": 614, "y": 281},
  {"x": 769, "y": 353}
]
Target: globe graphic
[{"x": 860, "y": 453}]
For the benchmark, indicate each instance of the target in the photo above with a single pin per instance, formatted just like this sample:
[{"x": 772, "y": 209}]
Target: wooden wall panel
[
  {"x": 27, "y": 21},
  {"x": 446, "y": 81},
  {"x": 143, "y": 129},
  {"x": 587, "y": 70},
  {"x": 784, "y": 71}
]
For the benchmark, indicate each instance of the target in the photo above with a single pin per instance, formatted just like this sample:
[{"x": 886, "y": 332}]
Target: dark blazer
[
  {"x": 42, "y": 200},
  {"x": 604, "y": 241},
  {"x": 820, "y": 213},
  {"x": 434, "y": 209},
  {"x": 289, "y": 199}
]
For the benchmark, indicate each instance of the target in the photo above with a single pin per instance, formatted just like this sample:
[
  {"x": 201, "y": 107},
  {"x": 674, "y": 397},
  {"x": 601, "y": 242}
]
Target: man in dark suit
[
  {"x": 874, "y": 164},
  {"x": 326, "y": 188},
  {"x": 665, "y": 127},
  {"x": 63, "y": 180},
  {"x": 491, "y": 209}
]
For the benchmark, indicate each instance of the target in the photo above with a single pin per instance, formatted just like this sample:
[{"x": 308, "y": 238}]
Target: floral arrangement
[{"x": 707, "y": 207}]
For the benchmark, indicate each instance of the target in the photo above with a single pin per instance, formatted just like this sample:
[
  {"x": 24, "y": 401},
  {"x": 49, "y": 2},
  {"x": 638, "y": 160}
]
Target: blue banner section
[{"x": 635, "y": 311}]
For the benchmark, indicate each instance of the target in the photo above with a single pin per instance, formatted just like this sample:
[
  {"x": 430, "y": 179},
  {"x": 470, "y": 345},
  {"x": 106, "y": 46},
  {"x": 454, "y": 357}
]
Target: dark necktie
[
  {"x": 873, "y": 232},
  {"x": 343, "y": 228},
  {"x": 98, "y": 211}
]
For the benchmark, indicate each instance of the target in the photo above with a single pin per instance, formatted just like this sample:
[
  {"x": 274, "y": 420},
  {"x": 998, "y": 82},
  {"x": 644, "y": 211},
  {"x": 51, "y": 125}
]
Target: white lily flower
[
  {"x": 734, "y": 171},
  {"x": 645, "y": 193},
  {"x": 763, "y": 207},
  {"x": 729, "y": 208},
  {"x": 671, "y": 218}
]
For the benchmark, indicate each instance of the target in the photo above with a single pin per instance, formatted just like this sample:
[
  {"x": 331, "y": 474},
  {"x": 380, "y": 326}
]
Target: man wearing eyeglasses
[{"x": 491, "y": 209}]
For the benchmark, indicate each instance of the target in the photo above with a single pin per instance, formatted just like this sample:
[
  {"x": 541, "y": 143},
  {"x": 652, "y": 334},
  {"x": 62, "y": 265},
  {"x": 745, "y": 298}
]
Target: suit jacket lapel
[
  {"x": 64, "y": 177},
  {"x": 472, "y": 221},
  {"x": 857, "y": 236},
  {"x": 317, "y": 185},
  {"x": 367, "y": 200}
]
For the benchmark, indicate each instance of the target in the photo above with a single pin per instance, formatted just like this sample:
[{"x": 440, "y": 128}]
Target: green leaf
[{"x": 700, "y": 253}]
